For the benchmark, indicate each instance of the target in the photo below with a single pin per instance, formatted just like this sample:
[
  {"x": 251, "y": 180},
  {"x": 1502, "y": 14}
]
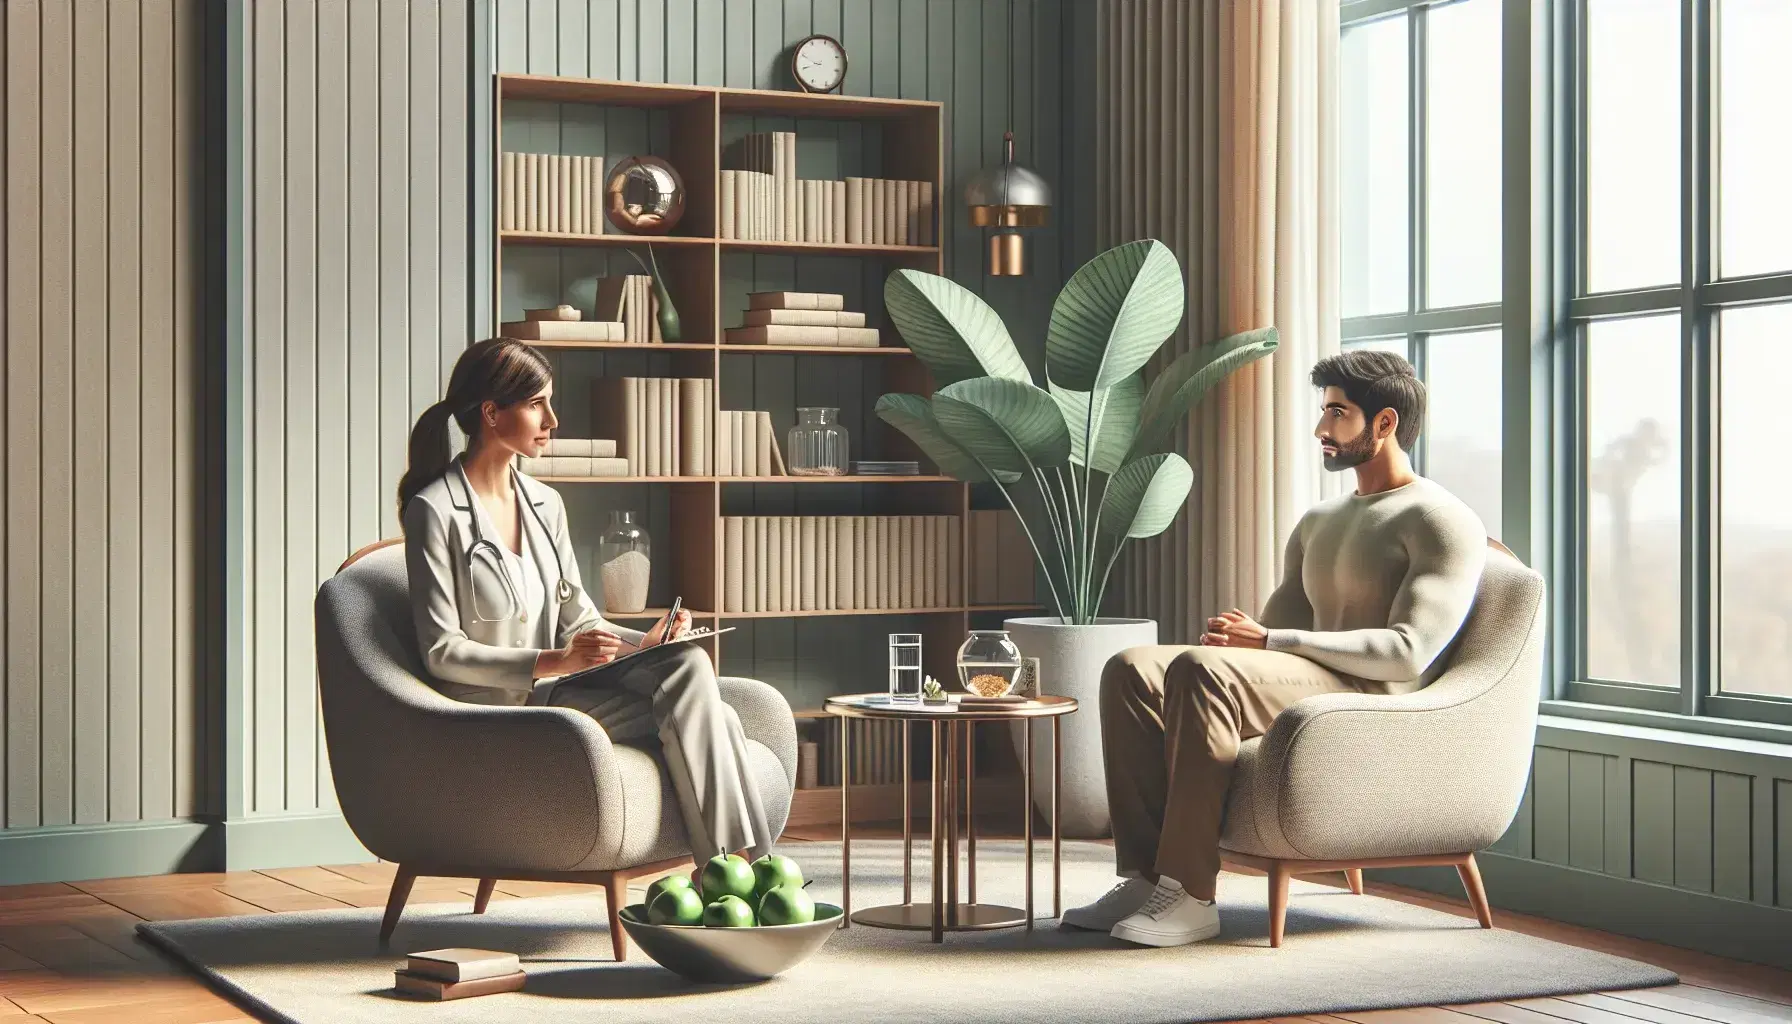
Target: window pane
[
  {"x": 1633, "y": 497},
  {"x": 1462, "y": 419},
  {"x": 1372, "y": 111},
  {"x": 1633, "y": 143},
  {"x": 1755, "y": 529},
  {"x": 1394, "y": 345},
  {"x": 1754, "y": 149},
  {"x": 1462, "y": 154}
]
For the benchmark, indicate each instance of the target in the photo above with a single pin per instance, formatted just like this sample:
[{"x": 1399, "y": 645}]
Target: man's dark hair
[{"x": 1376, "y": 381}]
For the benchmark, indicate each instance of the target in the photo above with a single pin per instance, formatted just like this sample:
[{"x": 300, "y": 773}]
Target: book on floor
[
  {"x": 432, "y": 988},
  {"x": 462, "y": 964}
]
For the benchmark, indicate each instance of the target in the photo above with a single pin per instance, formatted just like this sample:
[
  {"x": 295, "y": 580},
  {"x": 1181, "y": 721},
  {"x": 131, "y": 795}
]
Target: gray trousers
[{"x": 672, "y": 695}]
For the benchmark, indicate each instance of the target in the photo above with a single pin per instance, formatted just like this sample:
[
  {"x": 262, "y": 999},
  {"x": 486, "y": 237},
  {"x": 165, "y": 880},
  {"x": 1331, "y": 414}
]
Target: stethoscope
[{"x": 488, "y": 548}]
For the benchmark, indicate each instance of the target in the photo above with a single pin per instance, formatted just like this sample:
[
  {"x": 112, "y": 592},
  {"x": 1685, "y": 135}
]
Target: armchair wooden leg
[
  {"x": 1278, "y": 902},
  {"x": 1355, "y": 876},
  {"x": 401, "y": 891},
  {"x": 483, "y": 897},
  {"x": 1477, "y": 894},
  {"x": 615, "y": 891}
]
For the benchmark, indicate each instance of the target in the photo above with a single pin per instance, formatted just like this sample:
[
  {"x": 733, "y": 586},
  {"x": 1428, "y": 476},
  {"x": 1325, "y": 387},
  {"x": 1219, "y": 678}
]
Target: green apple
[
  {"x": 773, "y": 870},
  {"x": 727, "y": 875},
  {"x": 669, "y": 882},
  {"x": 786, "y": 904},
  {"x": 676, "y": 906},
  {"x": 728, "y": 912}
]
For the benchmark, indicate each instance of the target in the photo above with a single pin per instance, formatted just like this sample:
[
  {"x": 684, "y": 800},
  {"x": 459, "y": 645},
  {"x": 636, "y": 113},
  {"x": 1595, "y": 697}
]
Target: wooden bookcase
[{"x": 690, "y": 126}]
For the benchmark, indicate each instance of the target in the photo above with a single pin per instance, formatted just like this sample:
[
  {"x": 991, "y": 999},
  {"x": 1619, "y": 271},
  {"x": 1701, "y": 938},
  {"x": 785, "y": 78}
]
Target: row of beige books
[
  {"x": 746, "y": 444},
  {"x": 576, "y": 456},
  {"x": 660, "y": 424},
  {"x": 626, "y": 309},
  {"x": 802, "y": 318},
  {"x": 839, "y": 563},
  {"x": 875, "y": 757},
  {"x": 551, "y": 192},
  {"x": 762, "y": 199},
  {"x": 1001, "y": 560}
]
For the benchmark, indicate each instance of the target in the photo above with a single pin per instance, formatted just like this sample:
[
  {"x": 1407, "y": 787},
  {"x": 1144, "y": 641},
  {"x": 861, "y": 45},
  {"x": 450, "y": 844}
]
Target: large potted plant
[{"x": 1078, "y": 459}]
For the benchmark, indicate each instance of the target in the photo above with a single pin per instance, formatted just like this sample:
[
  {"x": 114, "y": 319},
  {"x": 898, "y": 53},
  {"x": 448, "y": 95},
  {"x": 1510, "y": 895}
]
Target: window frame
[{"x": 1543, "y": 313}]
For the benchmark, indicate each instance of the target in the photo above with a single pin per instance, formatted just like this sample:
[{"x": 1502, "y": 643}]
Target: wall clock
[{"x": 818, "y": 64}]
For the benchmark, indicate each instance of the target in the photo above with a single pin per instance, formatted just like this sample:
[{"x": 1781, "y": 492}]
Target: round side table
[{"x": 952, "y": 772}]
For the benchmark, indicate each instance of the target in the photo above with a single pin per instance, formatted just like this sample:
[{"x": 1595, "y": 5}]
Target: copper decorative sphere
[{"x": 644, "y": 196}]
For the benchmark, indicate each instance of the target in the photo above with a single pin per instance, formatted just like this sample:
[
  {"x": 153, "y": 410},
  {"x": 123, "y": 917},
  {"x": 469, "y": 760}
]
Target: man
[{"x": 1375, "y": 585}]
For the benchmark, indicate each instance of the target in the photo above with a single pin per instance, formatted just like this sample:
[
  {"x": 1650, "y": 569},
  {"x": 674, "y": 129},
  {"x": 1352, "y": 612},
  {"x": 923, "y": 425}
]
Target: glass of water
[{"x": 905, "y": 668}]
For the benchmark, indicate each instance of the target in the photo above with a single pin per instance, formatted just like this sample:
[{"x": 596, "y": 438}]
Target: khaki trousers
[
  {"x": 672, "y": 695},
  {"x": 1172, "y": 718}
]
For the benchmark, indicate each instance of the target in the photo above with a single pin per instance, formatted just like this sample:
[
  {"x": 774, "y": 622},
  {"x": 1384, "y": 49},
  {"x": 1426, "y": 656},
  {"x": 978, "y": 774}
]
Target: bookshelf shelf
[
  {"x": 819, "y": 350},
  {"x": 690, "y": 126}
]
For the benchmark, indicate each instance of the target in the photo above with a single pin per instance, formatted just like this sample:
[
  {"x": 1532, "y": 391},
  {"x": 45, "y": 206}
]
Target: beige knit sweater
[{"x": 1375, "y": 586}]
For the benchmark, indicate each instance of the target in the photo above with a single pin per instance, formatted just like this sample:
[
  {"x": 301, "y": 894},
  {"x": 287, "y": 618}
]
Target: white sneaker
[
  {"x": 1120, "y": 902},
  {"x": 1170, "y": 917}
]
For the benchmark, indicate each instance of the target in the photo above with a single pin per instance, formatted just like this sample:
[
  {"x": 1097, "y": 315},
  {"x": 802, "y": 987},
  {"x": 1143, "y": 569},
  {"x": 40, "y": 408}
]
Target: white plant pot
[{"x": 1070, "y": 664}]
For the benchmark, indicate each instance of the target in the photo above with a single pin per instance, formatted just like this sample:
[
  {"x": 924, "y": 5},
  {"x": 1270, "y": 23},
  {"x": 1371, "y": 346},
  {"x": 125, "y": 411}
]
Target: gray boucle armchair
[
  {"x": 1347, "y": 781},
  {"x": 446, "y": 788}
]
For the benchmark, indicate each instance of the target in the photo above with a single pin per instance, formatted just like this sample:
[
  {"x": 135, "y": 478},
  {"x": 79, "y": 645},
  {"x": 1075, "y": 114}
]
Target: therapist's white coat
[{"x": 479, "y": 661}]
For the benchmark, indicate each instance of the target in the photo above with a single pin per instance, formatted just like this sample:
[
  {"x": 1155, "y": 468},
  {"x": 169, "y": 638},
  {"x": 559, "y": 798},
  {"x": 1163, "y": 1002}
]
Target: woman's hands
[
  {"x": 589, "y": 649},
  {"x": 679, "y": 625}
]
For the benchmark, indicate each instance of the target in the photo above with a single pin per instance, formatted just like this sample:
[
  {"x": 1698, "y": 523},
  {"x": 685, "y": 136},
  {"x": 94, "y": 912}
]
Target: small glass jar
[
  {"x": 988, "y": 663},
  {"x": 624, "y": 564},
  {"x": 817, "y": 444}
]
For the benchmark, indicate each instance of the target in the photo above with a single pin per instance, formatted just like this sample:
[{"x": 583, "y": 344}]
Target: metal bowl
[{"x": 730, "y": 954}]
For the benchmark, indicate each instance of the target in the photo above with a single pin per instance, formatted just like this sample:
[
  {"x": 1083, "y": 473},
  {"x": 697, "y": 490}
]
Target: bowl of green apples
[{"x": 736, "y": 922}]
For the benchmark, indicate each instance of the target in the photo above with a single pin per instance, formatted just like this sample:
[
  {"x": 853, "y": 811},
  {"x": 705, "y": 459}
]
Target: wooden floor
[{"x": 69, "y": 953}]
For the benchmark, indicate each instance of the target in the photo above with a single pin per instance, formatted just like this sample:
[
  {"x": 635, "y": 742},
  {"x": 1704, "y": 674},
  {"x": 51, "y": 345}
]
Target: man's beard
[{"x": 1352, "y": 453}]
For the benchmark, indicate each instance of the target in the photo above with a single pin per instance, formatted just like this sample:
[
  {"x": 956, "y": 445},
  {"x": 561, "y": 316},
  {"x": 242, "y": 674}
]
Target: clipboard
[{"x": 663, "y": 645}]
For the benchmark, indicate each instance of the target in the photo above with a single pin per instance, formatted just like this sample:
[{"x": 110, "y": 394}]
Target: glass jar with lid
[
  {"x": 624, "y": 563},
  {"x": 817, "y": 444}
]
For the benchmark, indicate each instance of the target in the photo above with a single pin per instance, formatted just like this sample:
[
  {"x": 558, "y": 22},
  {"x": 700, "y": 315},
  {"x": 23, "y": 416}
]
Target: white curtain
[{"x": 1217, "y": 134}]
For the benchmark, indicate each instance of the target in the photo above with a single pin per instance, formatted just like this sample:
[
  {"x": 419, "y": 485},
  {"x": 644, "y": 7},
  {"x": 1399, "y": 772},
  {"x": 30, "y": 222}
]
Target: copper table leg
[
  {"x": 908, "y": 831},
  {"x": 1026, "y": 813},
  {"x": 970, "y": 813},
  {"x": 938, "y": 837},
  {"x": 952, "y": 785},
  {"x": 845, "y": 824},
  {"x": 1057, "y": 845}
]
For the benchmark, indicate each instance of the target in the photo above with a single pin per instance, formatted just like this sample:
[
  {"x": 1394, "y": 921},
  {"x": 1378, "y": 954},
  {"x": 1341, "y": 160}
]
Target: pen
[{"x": 671, "y": 617}]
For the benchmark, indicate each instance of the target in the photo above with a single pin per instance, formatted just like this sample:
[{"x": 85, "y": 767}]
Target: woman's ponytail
[
  {"x": 430, "y": 453},
  {"x": 497, "y": 370}
]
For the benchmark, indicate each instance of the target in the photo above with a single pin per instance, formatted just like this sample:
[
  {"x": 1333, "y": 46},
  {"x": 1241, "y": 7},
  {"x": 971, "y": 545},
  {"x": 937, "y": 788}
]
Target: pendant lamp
[{"x": 1008, "y": 197}]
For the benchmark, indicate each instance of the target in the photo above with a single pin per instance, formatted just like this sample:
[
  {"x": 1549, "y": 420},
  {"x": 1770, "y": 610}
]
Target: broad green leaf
[
  {"x": 1112, "y": 315},
  {"x": 913, "y": 415},
  {"x": 1144, "y": 497},
  {"x": 1005, "y": 423},
  {"x": 1192, "y": 375},
  {"x": 951, "y": 328},
  {"x": 1116, "y": 413}
]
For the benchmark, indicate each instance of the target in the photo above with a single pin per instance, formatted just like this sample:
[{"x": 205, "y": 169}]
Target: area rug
[{"x": 1341, "y": 952}]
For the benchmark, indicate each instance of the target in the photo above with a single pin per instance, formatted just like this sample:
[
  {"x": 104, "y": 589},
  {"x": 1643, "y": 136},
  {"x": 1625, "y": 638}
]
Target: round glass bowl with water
[{"x": 988, "y": 663}]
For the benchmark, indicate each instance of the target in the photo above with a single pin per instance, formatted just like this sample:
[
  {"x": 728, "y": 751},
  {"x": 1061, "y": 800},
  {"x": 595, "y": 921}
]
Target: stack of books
[
  {"x": 550, "y": 325},
  {"x": 802, "y": 318},
  {"x": 577, "y": 456},
  {"x": 884, "y": 212},
  {"x": 629, "y": 300},
  {"x": 834, "y": 563},
  {"x": 888, "y": 467},
  {"x": 746, "y": 446},
  {"x": 762, "y": 199},
  {"x": 550, "y": 192},
  {"x": 1001, "y": 569},
  {"x": 661, "y": 425},
  {"x": 458, "y": 973}
]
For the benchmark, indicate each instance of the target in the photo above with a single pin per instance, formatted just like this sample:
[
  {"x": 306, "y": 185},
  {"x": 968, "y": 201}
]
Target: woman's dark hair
[
  {"x": 494, "y": 370},
  {"x": 1376, "y": 381}
]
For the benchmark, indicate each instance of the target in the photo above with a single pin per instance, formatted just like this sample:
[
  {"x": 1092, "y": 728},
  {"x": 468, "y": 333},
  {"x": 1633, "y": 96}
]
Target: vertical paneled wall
[
  {"x": 1714, "y": 821},
  {"x": 105, "y": 408},
  {"x": 964, "y": 53},
  {"x": 355, "y": 226}
]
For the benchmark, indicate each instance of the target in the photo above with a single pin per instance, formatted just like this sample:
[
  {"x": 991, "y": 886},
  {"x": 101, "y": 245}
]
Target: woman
[{"x": 500, "y": 610}]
